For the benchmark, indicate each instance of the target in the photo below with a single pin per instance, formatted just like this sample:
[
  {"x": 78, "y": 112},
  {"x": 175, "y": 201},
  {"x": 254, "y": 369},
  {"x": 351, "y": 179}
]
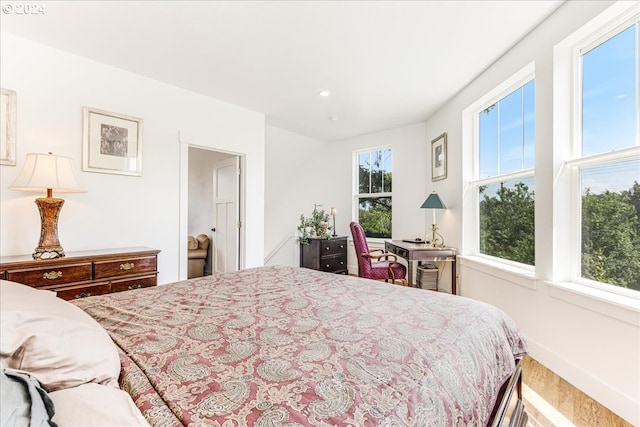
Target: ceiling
[{"x": 385, "y": 63}]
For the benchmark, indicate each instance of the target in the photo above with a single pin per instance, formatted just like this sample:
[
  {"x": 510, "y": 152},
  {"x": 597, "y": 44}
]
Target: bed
[{"x": 288, "y": 346}]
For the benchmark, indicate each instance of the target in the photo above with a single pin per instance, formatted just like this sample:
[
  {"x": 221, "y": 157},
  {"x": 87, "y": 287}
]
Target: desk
[{"x": 419, "y": 252}]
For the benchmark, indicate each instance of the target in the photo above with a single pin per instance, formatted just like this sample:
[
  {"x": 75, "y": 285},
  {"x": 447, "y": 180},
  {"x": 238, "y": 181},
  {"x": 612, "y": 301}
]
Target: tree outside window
[
  {"x": 374, "y": 192},
  {"x": 505, "y": 181},
  {"x": 607, "y": 161}
]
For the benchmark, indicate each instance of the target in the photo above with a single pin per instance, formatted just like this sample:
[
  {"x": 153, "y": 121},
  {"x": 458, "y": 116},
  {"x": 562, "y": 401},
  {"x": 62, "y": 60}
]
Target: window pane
[
  {"x": 507, "y": 220},
  {"x": 386, "y": 168},
  {"x": 511, "y": 132},
  {"x": 376, "y": 172},
  {"x": 364, "y": 171},
  {"x": 506, "y": 134},
  {"x": 611, "y": 223},
  {"x": 375, "y": 216},
  {"x": 529, "y": 125},
  {"x": 609, "y": 76},
  {"x": 488, "y": 141}
]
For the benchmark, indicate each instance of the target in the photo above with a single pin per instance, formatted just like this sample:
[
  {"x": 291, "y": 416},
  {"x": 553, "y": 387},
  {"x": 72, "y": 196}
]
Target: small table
[{"x": 419, "y": 252}]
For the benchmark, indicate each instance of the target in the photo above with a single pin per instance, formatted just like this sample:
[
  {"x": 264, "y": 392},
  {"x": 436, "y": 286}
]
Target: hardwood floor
[{"x": 551, "y": 401}]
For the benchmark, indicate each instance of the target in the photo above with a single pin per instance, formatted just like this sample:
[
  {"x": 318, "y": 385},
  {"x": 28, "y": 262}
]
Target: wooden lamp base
[{"x": 49, "y": 245}]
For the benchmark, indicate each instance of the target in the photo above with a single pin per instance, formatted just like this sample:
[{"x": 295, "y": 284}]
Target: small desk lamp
[
  {"x": 334, "y": 211},
  {"x": 434, "y": 202},
  {"x": 47, "y": 172}
]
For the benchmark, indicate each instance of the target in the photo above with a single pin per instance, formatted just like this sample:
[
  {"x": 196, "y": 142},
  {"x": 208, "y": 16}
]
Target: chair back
[{"x": 361, "y": 247}]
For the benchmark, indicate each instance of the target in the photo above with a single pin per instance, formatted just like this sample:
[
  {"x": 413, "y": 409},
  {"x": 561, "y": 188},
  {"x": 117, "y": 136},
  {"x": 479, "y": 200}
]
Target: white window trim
[
  {"x": 470, "y": 165},
  {"x": 355, "y": 205},
  {"x": 566, "y": 276}
]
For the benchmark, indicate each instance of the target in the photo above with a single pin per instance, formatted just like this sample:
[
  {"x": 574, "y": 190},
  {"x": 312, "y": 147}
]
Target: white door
[{"x": 226, "y": 190}]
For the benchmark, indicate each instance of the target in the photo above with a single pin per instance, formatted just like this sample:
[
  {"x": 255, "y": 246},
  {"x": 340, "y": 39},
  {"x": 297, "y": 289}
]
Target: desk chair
[{"x": 382, "y": 266}]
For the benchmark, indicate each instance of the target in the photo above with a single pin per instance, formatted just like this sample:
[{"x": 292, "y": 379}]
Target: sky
[{"x": 610, "y": 118}]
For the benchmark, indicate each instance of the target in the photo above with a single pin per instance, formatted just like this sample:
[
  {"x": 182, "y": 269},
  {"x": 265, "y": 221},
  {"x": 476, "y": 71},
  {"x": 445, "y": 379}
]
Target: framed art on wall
[
  {"x": 112, "y": 143},
  {"x": 7, "y": 127},
  {"x": 439, "y": 158}
]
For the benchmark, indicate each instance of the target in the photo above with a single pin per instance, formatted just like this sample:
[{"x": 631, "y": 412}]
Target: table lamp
[
  {"x": 47, "y": 172},
  {"x": 434, "y": 202}
]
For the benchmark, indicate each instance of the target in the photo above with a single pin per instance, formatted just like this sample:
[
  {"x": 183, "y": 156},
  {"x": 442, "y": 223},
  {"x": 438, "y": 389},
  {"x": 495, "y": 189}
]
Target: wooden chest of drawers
[
  {"x": 86, "y": 273},
  {"x": 328, "y": 255}
]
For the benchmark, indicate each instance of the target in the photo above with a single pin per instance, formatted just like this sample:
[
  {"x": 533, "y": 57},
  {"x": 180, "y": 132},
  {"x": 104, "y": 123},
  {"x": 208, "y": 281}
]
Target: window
[
  {"x": 606, "y": 158},
  {"x": 504, "y": 172},
  {"x": 373, "y": 191}
]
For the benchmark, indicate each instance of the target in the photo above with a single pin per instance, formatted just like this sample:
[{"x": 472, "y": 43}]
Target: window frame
[
  {"x": 356, "y": 195},
  {"x": 471, "y": 163},
  {"x": 575, "y": 161}
]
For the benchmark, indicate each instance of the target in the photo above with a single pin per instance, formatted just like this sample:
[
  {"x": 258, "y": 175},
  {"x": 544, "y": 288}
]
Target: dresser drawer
[
  {"x": 82, "y": 291},
  {"x": 332, "y": 247},
  {"x": 130, "y": 284},
  {"x": 124, "y": 267},
  {"x": 51, "y": 275},
  {"x": 333, "y": 263}
]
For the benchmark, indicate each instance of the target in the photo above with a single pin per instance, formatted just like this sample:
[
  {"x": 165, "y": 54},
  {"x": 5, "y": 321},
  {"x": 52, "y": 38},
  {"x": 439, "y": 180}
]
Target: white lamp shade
[{"x": 46, "y": 171}]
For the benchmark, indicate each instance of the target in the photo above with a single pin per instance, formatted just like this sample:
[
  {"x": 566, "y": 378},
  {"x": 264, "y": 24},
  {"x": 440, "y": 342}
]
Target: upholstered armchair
[
  {"x": 197, "y": 248},
  {"x": 376, "y": 264}
]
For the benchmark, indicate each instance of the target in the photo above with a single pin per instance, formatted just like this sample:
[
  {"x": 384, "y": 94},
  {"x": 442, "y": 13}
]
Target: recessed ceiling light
[
  {"x": 324, "y": 93},
  {"x": 333, "y": 118}
]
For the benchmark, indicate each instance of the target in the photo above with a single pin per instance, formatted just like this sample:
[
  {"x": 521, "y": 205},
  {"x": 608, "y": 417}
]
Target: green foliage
[
  {"x": 610, "y": 231},
  {"x": 375, "y": 216},
  {"x": 507, "y": 224},
  {"x": 611, "y": 237},
  {"x": 316, "y": 226},
  {"x": 375, "y": 212}
]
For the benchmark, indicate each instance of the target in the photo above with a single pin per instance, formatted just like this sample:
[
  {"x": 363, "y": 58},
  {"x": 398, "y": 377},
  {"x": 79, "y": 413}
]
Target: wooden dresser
[
  {"x": 85, "y": 273},
  {"x": 328, "y": 255}
]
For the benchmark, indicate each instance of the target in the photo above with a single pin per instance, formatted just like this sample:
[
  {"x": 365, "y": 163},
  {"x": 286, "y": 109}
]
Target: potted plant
[{"x": 316, "y": 226}]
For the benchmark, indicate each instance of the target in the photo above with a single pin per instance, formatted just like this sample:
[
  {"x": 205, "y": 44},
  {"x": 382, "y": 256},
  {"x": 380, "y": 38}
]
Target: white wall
[
  {"x": 119, "y": 211},
  {"x": 591, "y": 343},
  {"x": 299, "y": 174}
]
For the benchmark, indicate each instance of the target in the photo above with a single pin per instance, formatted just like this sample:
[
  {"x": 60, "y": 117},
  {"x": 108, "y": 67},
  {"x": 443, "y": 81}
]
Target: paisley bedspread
[{"x": 286, "y": 346}]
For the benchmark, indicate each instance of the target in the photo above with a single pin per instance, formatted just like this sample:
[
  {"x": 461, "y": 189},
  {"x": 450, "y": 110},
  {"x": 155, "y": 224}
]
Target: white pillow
[
  {"x": 90, "y": 405},
  {"x": 57, "y": 342},
  {"x": 12, "y": 292}
]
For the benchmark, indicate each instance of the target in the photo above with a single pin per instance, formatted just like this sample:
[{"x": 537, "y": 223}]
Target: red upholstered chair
[{"x": 373, "y": 265}]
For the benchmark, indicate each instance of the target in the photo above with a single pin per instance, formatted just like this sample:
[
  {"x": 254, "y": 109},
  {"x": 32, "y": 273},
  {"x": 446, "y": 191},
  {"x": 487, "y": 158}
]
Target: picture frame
[
  {"x": 8, "y": 120},
  {"x": 439, "y": 157},
  {"x": 112, "y": 143}
]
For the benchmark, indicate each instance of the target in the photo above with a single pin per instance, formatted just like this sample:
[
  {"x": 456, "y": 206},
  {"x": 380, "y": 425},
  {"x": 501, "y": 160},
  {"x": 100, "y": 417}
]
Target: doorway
[{"x": 214, "y": 195}]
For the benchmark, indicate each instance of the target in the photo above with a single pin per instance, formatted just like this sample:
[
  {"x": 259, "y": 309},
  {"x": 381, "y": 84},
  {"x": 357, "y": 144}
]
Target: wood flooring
[{"x": 554, "y": 402}]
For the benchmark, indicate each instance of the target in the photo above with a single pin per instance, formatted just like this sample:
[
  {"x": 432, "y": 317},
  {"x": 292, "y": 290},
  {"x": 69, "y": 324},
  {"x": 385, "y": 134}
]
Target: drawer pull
[
  {"x": 127, "y": 266},
  {"x": 83, "y": 295},
  {"x": 327, "y": 248},
  {"x": 132, "y": 287},
  {"x": 52, "y": 275}
]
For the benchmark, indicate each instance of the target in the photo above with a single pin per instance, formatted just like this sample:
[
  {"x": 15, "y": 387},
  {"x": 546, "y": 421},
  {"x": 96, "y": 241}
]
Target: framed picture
[
  {"x": 439, "y": 158},
  {"x": 112, "y": 143},
  {"x": 8, "y": 127}
]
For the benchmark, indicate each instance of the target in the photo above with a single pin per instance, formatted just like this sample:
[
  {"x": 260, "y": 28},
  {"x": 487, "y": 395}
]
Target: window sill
[
  {"x": 520, "y": 276},
  {"x": 620, "y": 307}
]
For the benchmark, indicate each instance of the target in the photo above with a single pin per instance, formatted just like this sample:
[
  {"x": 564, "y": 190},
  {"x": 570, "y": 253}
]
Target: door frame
[{"x": 183, "y": 215}]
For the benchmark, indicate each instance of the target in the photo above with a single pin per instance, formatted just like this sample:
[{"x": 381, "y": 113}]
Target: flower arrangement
[{"x": 316, "y": 226}]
